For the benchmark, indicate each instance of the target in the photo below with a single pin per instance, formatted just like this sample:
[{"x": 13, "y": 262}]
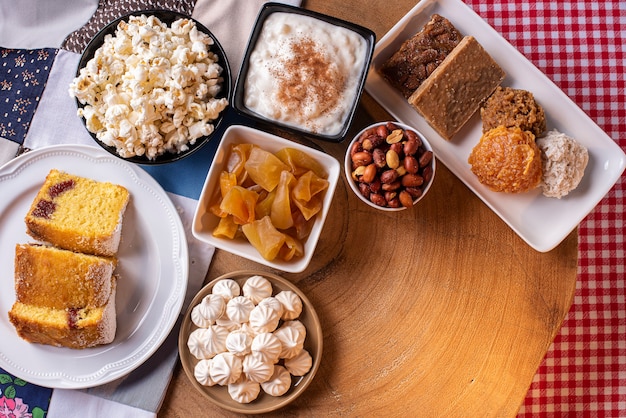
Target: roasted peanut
[
  {"x": 392, "y": 186},
  {"x": 379, "y": 158},
  {"x": 361, "y": 158},
  {"x": 392, "y": 158},
  {"x": 426, "y": 158},
  {"x": 356, "y": 147},
  {"x": 393, "y": 203},
  {"x": 405, "y": 199},
  {"x": 358, "y": 172},
  {"x": 368, "y": 132},
  {"x": 398, "y": 147},
  {"x": 391, "y": 126},
  {"x": 369, "y": 173},
  {"x": 388, "y": 176},
  {"x": 378, "y": 199},
  {"x": 390, "y": 195},
  {"x": 382, "y": 131},
  {"x": 412, "y": 136},
  {"x": 376, "y": 185},
  {"x": 365, "y": 190},
  {"x": 410, "y": 164},
  {"x": 412, "y": 180},
  {"x": 415, "y": 192},
  {"x": 395, "y": 136},
  {"x": 372, "y": 142},
  {"x": 410, "y": 147},
  {"x": 428, "y": 173}
]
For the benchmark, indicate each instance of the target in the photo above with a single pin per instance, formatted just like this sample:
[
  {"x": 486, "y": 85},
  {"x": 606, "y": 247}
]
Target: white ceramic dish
[
  {"x": 540, "y": 221},
  {"x": 204, "y": 221},
  {"x": 296, "y": 12},
  {"x": 153, "y": 269},
  {"x": 347, "y": 168}
]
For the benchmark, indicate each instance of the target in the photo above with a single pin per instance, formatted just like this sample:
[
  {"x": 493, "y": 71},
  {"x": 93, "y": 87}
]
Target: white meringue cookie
[
  {"x": 296, "y": 324},
  {"x": 210, "y": 308},
  {"x": 263, "y": 319},
  {"x": 202, "y": 372},
  {"x": 273, "y": 303},
  {"x": 279, "y": 383},
  {"x": 257, "y": 288},
  {"x": 198, "y": 319},
  {"x": 256, "y": 369},
  {"x": 238, "y": 342},
  {"x": 238, "y": 309},
  {"x": 225, "y": 322},
  {"x": 226, "y": 368},
  {"x": 244, "y": 391},
  {"x": 227, "y": 289},
  {"x": 292, "y": 304},
  {"x": 300, "y": 364},
  {"x": 268, "y": 345},
  {"x": 291, "y": 339},
  {"x": 196, "y": 344},
  {"x": 245, "y": 327},
  {"x": 215, "y": 340}
]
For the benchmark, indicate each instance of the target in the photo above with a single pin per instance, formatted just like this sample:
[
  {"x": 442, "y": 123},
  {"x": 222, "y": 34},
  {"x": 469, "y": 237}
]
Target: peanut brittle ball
[
  {"x": 513, "y": 107},
  {"x": 507, "y": 160}
]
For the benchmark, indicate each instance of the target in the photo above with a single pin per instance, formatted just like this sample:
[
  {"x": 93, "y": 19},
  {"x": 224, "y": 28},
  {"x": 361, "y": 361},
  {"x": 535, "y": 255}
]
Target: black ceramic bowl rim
[
  {"x": 266, "y": 10},
  {"x": 167, "y": 17}
]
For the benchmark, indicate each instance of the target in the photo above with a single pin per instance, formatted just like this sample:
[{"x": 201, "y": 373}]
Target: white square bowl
[{"x": 204, "y": 222}]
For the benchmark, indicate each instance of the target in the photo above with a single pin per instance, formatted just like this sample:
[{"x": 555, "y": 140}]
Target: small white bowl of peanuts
[{"x": 390, "y": 166}]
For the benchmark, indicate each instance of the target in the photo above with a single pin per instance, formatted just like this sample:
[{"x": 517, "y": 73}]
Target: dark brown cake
[{"x": 418, "y": 56}]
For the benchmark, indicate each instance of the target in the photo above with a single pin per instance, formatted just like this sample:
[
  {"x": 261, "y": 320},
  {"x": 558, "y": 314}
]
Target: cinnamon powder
[{"x": 309, "y": 81}]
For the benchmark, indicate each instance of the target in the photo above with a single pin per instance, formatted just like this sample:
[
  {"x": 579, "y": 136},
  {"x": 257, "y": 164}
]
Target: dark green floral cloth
[{"x": 20, "y": 399}]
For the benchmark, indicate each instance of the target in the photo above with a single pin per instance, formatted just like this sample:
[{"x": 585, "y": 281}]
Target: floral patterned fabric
[
  {"x": 15, "y": 392},
  {"x": 23, "y": 76}
]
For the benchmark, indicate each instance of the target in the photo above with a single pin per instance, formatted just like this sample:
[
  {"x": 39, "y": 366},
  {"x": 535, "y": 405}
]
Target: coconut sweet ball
[
  {"x": 507, "y": 160},
  {"x": 564, "y": 161}
]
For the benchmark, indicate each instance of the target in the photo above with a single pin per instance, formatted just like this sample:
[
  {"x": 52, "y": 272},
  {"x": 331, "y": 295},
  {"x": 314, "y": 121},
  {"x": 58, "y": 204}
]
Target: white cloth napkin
[
  {"x": 140, "y": 394},
  {"x": 68, "y": 403},
  {"x": 32, "y": 24}
]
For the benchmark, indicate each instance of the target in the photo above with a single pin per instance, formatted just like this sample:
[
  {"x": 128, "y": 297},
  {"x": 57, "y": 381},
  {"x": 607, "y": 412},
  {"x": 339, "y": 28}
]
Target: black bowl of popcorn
[{"x": 152, "y": 86}]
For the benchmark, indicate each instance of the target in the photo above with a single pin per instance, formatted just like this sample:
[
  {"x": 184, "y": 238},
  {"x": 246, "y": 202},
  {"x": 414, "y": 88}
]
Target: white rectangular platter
[{"x": 540, "y": 221}]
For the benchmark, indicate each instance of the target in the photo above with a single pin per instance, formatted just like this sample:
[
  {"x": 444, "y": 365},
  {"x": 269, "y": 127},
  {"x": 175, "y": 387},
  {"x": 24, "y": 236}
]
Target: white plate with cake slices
[
  {"x": 540, "y": 221},
  {"x": 152, "y": 267}
]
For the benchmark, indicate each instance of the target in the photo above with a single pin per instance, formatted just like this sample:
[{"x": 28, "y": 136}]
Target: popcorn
[{"x": 150, "y": 89}]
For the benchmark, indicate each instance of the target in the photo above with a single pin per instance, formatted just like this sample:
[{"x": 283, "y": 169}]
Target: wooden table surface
[{"x": 441, "y": 310}]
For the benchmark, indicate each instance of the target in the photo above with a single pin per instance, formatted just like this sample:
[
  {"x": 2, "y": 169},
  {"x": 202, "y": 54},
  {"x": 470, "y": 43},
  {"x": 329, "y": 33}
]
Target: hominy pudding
[{"x": 305, "y": 73}]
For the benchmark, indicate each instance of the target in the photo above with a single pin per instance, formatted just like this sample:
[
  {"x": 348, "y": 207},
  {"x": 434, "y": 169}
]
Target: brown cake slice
[
  {"x": 80, "y": 327},
  {"x": 455, "y": 90},
  {"x": 419, "y": 55},
  {"x": 63, "y": 298},
  {"x": 57, "y": 278}
]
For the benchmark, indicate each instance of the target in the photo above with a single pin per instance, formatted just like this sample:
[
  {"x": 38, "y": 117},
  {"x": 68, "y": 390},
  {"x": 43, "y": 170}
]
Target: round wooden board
[{"x": 441, "y": 310}]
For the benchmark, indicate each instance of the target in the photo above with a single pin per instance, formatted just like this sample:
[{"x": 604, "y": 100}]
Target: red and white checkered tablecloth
[{"x": 580, "y": 45}]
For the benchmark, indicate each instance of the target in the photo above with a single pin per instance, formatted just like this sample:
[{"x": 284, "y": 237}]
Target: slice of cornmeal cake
[
  {"x": 73, "y": 327},
  {"x": 56, "y": 278},
  {"x": 449, "y": 97},
  {"x": 78, "y": 214}
]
